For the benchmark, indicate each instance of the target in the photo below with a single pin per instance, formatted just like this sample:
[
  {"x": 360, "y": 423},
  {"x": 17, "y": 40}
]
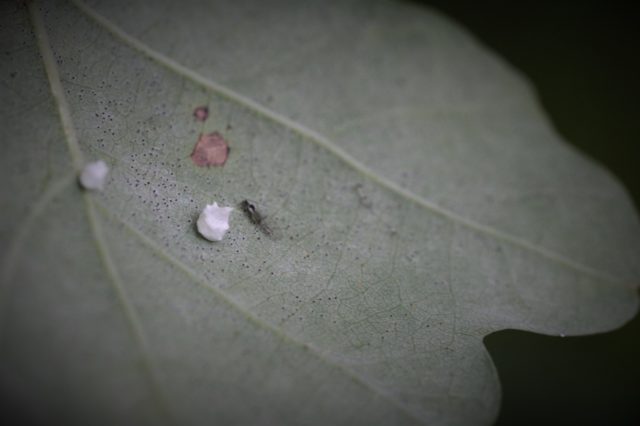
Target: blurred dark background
[{"x": 583, "y": 58}]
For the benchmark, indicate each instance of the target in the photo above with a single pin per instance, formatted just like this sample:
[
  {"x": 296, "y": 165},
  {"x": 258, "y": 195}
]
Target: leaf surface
[{"x": 420, "y": 200}]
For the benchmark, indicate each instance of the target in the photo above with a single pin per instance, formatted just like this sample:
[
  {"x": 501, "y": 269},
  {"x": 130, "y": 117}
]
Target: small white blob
[
  {"x": 94, "y": 175},
  {"x": 213, "y": 222}
]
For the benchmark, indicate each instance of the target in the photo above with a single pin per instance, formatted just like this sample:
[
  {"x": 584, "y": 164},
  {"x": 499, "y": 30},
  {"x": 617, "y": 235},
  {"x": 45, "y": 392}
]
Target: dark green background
[{"x": 583, "y": 59}]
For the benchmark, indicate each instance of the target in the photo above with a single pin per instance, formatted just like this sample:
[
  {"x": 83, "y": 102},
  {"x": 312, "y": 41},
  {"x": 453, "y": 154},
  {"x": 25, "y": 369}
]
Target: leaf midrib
[
  {"x": 102, "y": 248},
  {"x": 325, "y": 143}
]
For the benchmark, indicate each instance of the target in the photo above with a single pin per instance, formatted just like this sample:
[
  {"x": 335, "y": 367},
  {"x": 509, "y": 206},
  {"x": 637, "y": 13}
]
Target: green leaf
[{"x": 419, "y": 198}]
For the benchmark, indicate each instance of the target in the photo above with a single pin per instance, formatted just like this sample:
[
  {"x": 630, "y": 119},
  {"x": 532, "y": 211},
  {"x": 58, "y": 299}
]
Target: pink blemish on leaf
[
  {"x": 210, "y": 150},
  {"x": 201, "y": 113}
]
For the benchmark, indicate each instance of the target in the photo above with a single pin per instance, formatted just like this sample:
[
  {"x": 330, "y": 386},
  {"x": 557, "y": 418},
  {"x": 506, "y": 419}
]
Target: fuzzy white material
[
  {"x": 213, "y": 222},
  {"x": 94, "y": 175}
]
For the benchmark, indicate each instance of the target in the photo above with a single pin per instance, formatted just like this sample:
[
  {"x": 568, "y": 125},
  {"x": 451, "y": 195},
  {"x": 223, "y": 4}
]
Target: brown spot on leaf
[
  {"x": 211, "y": 150},
  {"x": 201, "y": 113}
]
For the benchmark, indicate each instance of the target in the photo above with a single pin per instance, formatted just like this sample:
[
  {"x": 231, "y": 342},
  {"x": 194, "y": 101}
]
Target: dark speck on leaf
[
  {"x": 210, "y": 150},
  {"x": 201, "y": 113}
]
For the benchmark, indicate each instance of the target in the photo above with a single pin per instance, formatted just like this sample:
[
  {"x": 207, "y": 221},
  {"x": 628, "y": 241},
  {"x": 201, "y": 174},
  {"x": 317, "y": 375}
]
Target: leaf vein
[
  {"x": 324, "y": 142},
  {"x": 197, "y": 279},
  {"x": 55, "y": 84},
  {"x": 23, "y": 230}
]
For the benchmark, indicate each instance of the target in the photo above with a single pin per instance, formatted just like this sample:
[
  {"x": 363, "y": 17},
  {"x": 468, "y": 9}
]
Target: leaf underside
[{"x": 420, "y": 200}]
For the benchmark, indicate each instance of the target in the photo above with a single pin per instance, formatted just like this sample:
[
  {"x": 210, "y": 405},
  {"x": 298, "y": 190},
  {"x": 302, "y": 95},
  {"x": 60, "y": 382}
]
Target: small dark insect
[
  {"x": 255, "y": 216},
  {"x": 362, "y": 198}
]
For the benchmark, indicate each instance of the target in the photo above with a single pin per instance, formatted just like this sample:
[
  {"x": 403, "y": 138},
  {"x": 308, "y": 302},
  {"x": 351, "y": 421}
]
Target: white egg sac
[
  {"x": 213, "y": 222},
  {"x": 94, "y": 175}
]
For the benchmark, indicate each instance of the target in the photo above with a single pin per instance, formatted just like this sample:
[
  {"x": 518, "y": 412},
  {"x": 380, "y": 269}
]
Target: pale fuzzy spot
[
  {"x": 213, "y": 222},
  {"x": 94, "y": 175}
]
